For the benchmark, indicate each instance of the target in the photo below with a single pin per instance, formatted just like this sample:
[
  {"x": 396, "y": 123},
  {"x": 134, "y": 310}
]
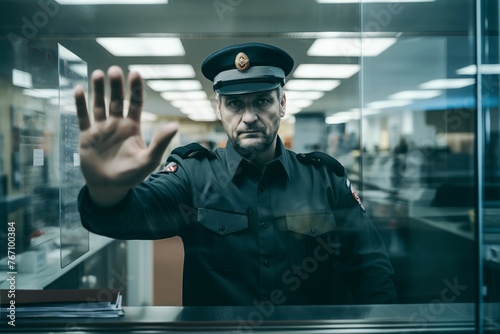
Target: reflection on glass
[
  {"x": 74, "y": 238},
  {"x": 417, "y": 175}
]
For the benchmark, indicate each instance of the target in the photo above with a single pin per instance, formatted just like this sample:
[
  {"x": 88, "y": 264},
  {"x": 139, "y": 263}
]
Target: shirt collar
[{"x": 234, "y": 159}]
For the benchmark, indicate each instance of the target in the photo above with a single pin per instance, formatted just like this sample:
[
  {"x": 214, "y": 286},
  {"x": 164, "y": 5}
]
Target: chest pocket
[
  {"x": 222, "y": 239},
  {"x": 304, "y": 231}
]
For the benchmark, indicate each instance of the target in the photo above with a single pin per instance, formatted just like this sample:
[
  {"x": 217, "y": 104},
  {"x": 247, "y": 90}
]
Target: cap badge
[{"x": 242, "y": 62}]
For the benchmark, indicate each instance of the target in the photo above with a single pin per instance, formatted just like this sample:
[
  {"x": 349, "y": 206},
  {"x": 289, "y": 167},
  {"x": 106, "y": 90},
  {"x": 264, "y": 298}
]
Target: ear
[
  {"x": 217, "y": 107},
  {"x": 283, "y": 104}
]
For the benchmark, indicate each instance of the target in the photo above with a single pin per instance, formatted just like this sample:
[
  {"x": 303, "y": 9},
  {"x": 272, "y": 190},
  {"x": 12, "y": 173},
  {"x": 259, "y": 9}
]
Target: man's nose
[{"x": 249, "y": 115}]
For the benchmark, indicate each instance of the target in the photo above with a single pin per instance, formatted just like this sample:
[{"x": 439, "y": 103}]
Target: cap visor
[{"x": 247, "y": 88}]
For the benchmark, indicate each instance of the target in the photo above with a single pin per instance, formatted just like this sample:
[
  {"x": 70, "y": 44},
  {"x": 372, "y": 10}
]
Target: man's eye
[
  {"x": 263, "y": 102},
  {"x": 234, "y": 104}
]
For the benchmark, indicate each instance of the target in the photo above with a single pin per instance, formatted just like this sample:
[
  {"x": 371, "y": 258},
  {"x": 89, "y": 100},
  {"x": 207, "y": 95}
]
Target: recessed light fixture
[
  {"x": 42, "y": 93},
  {"x": 191, "y": 103},
  {"x": 174, "y": 85},
  {"x": 202, "y": 117},
  {"x": 158, "y": 71},
  {"x": 342, "y": 117},
  {"x": 142, "y": 46},
  {"x": 299, "y": 95},
  {"x": 300, "y": 103},
  {"x": 447, "y": 83},
  {"x": 341, "y": 71},
  {"x": 191, "y": 95},
  {"x": 350, "y": 47},
  {"x": 22, "y": 79},
  {"x": 388, "y": 104},
  {"x": 307, "y": 85},
  {"x": 415, "y": 94},
  {"x": 485, "y": 69},
  {"x": 111, "y": 2}
]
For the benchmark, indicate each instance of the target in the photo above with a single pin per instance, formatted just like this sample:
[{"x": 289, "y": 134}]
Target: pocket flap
[
  {"x": 311, "y": 224},
  {"x": 222, "y": 222}
]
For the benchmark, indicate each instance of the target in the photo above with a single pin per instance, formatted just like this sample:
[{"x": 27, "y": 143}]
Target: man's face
[{"x": 252, "y": 120}]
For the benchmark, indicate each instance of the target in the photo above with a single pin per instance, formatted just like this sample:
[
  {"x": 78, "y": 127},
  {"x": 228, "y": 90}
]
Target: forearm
[
  {"x": 145, "y": 212},
  {"x": 106, "y": 196}
]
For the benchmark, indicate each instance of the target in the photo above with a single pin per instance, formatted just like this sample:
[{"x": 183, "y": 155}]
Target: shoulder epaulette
[
  {"x": 319, "y": 158},
  {"x": 193, "y": 150}
]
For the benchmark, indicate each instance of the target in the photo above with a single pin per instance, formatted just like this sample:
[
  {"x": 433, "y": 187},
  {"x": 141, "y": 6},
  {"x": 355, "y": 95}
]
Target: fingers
[
  {"x": 160, "y": 142},
  {"x": 116, "y": 83},
  {"x": 98, "y": 95},
  {"x": 136, "y": 96},
  {"x": 81, "y": 108}
]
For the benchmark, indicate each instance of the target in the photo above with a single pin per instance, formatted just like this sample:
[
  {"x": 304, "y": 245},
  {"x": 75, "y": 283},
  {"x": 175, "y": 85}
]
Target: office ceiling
[{"x": 434, "y": 38}]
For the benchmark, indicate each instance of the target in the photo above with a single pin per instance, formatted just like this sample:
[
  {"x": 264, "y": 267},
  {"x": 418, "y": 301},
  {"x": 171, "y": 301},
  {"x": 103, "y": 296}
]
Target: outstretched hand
[{"x": 113, "y": 155}]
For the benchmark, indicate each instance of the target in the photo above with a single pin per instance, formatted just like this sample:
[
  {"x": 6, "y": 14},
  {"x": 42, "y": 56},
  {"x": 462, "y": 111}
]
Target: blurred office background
[{"x": 404, "y": 94}]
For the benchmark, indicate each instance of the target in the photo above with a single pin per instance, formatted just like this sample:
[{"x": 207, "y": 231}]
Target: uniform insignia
[
  {"x": 356, "y": 197},
  {"x": 242, "y": 62},
  {"x": 171, "y": 167}
]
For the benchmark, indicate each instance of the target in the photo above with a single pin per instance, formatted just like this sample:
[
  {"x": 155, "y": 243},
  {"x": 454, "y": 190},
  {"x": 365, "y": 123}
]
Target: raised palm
[{"x": 114, "y": 157}]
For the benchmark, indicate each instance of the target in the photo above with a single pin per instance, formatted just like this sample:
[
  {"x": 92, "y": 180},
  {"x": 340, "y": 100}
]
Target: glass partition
[
  {"x": 392, "y": 90},
  {"x": 74, "y": 238},
  {"x": 418, "y": 133},
  {"x": 487, "y": 72}
]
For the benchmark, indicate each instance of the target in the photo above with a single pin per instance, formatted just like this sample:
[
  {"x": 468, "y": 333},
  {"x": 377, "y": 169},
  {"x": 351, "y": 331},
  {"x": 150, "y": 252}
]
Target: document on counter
[{"x": 87, "y": 303}]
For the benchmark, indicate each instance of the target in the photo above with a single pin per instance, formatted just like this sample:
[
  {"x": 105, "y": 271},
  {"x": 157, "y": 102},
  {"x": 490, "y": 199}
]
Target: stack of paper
[{"x": 88, "y": 303}]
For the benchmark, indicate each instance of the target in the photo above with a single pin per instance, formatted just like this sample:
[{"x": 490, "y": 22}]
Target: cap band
[{"x": 254, "y": 72}]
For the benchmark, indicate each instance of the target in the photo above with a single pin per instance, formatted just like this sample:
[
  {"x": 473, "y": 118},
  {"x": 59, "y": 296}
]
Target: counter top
[{"x": 409, "y": 318}]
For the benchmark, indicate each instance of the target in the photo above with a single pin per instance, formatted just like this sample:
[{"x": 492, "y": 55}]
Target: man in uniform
[{"x": 260, "y": 224}]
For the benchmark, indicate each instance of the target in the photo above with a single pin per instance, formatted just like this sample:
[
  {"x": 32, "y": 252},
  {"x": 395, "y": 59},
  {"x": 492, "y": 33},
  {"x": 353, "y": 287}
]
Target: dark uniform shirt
[{"x": 294, "y": 234}]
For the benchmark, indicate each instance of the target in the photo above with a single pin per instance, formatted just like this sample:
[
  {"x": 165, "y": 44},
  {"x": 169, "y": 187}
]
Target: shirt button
[
  {"x": 267, "y": 263},
  {"x": 250, "y": 211},
  {"x": 261, "y": 187},
  {"x": 222, "y": 228},
  {"x": 264, "y": 225},
  {"x": 313, "y": 230}
]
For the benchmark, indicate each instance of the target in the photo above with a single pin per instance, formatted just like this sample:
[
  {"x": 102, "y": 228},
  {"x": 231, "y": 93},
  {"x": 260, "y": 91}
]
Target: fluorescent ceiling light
[
  {"x": 366, "y": 1},
  {"x": 192, "y": 95},
  {"x": 342, "y": 117},
  {"x": 21, "y": 79},
  {"x": 158, "y": 71},
  {"x": 388, "y": 104},
  {"x": 175, "y": 85},
  {"x": 301, "y": 103},
  {"x": 299, "y": 95},
  {"x": 142, "y": 46},
  {"x": 485, "y": 69},
  {"x": 415, "y": 94},
  {"x": 198, "y": 111},
  {"x": 110, "y": 2},
  {"x": 42, "y": 93},
  {"x": 350, "y": 47},
  {"x": 191, "y": 103},
  {"x": 326, "y": 71},
  {"x": 307, "y": 85},
  {"x": 447, "y": 83},
  {"x": 200, "y": 118}
]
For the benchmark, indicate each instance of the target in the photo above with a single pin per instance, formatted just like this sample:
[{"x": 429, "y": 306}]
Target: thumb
[{"x": 161, "y": 140}]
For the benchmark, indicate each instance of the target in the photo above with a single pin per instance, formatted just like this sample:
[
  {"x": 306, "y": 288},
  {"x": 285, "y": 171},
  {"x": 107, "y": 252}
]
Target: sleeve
[
  {"x": 365, "y": 264},
  {"x": 155, "y": 209}
]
